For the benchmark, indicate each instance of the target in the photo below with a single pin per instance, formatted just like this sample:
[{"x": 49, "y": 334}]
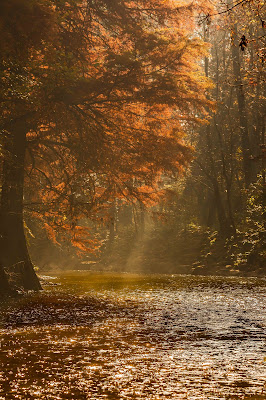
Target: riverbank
[{"x": 192, "y": 251}]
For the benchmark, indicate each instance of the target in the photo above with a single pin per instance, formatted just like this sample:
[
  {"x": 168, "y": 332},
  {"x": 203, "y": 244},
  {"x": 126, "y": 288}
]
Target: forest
[
  {"x": 132, "y": 137},
  {"x": 132, "y": 199}
]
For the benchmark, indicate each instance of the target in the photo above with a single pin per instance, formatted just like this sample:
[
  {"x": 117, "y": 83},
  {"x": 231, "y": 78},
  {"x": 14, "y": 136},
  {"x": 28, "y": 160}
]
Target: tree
[
  {"x": 228, "y": 170},
  {"x": 93, "y": 107},
  {"x": 15, "y": 84}
]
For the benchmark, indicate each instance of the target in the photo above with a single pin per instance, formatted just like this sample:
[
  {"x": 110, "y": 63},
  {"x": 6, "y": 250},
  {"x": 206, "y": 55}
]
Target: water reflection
[{"x": 137, "y": 337}]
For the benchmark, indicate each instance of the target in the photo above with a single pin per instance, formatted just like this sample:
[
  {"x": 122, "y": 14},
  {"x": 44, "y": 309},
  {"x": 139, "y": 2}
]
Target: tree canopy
[{"x": 96, "y": 97}]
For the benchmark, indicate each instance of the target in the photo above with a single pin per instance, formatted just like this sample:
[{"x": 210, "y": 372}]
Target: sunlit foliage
[{"x": 107, "y": 91}]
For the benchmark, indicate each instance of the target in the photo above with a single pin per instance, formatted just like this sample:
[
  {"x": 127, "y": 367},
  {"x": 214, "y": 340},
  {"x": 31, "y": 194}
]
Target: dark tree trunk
[
  {"x": 4, "y": 284},
  {"x": 224, "y": 225},
  {"x": 227, "y": 178},
  {"x": 14, "y": 252},
  {"x": 242, "y": 112},
  {"x": 210, "y": 207}
]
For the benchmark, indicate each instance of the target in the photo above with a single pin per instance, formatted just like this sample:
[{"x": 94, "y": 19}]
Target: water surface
[{"x": 121, "y": 336}]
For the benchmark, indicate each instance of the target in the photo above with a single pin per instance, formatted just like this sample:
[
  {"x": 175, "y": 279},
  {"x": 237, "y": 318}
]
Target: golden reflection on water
[{"x": 121, "y": 336}]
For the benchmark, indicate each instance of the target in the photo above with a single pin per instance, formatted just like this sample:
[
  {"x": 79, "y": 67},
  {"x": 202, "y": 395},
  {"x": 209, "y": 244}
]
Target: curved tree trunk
[{"x": 13, "y": 249}]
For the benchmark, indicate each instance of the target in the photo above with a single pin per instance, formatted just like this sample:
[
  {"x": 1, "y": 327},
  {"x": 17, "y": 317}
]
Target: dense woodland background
[{"x": 132, "y": 137}]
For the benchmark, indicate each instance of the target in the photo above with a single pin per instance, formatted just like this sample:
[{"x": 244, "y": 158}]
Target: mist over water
[{"x": 125, "y": 336}]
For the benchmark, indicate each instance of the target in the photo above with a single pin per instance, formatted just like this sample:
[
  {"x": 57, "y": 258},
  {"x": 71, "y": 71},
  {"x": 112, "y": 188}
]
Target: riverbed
[{"x": 123, "y": 336}]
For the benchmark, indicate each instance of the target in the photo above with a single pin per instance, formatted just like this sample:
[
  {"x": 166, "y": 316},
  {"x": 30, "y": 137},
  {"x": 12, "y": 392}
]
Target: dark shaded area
[{"x": 57, "y": 310}]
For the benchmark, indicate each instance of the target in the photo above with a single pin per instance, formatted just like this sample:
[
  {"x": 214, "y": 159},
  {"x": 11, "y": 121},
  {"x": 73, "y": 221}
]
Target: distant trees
[
  {"x": 229, "y": 164},
  {"x": 95, "y": 98},
  {"x": 235, "y": 137}
]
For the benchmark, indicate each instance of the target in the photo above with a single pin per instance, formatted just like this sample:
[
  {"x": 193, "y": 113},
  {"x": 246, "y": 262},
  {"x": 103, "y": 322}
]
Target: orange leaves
[
  {"x": 82, "y": 240},
  {"x": 112, "y": 93},
  {"x": 51, "y": 232}
]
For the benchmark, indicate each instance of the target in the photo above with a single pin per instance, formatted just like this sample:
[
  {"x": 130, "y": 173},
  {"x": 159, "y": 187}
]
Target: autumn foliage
[{"x": 105, "y": 92}]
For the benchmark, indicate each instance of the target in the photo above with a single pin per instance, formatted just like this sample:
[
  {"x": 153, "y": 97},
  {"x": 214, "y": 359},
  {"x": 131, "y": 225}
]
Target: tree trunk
[
  {"x": 227, "y": 178},
  {"x": 242, "y": 111},
  {"x": 112, "y": 225},
  {"x": 142, "y": 219},
  {"x": 211, "y": 209},
  {"x": 13, "y": 248},
  {"x": 4, "y": 284}
]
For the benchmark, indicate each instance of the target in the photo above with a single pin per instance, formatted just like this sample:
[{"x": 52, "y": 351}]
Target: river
[{"x": 123, "y": 336}]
